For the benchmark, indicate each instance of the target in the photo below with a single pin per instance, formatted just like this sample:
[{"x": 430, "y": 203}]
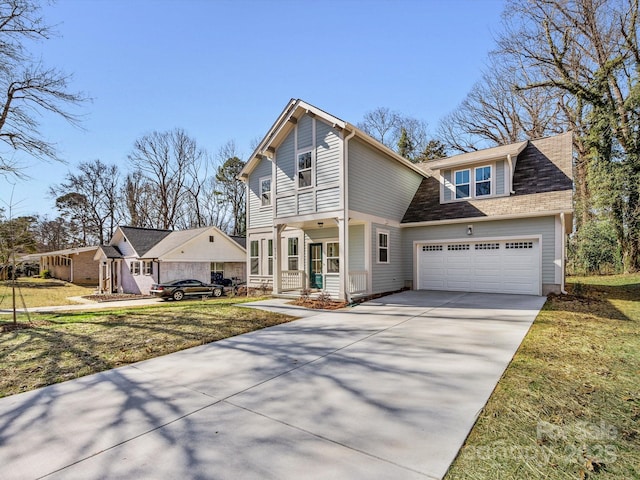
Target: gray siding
[
  {"x": 544, "y": 226},
  {"x": 356, "y": 247},
  {"x": 387, "y": 276},
  {"x": 327, "y": 154},
  {"x": 286, "y": 206},
  {"x": 328, "y": 199},
  {"x": 305, "y": 203},
  {"x": 305, "y": 132},
  {"x": 379, "y": 185},
  {"x": 500, "y": 177},
  {"x": 285, "y": 165},
  {"x": 448, "y": 186},
  {"x": 259, "y": 216}
]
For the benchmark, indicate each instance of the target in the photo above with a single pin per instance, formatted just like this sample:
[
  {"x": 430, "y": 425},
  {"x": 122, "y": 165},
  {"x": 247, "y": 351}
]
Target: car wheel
[
  {"x": 217, "y": 292},
  {"x": 178, "y": 295}
]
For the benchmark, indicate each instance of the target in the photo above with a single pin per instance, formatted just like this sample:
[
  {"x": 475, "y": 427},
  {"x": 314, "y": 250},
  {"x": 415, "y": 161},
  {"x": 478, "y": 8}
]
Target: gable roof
[
  {"x": 143, "y": 239},
  {"x": 178, "y": 238},
  {"x": 287, "y": 120},
  {"x": 109, "y": 251},
  {"x": 542, "y": 182}
]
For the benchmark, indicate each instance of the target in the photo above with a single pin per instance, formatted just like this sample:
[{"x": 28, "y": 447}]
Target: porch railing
[
  {"x": 358, "y": 282},
  {"x": 292, "y": 280}
]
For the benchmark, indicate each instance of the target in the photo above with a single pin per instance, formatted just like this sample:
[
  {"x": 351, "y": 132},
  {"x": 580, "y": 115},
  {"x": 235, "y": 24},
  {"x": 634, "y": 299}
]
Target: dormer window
[
  {"x": 462, "y": 183},
  {"x": 483, "y": 181},
  {"x": 477, "y": 186}
]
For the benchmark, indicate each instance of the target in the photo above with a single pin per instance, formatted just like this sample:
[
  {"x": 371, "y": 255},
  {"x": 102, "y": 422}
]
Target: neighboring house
[
  {"x": 75, "y": 265},
  {"x": 331, "y": 209},
  {"x": 136, "y": 258}
]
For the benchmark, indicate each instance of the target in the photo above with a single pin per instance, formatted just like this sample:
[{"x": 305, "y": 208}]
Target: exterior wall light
[{"x": 470, "y": 230}]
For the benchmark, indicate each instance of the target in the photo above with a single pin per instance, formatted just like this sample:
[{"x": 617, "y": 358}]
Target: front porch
[{"x": 295, "y": 283}]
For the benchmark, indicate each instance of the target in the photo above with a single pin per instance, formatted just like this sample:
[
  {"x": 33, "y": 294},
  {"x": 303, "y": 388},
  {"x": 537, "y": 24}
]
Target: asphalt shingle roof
[{"x": 143, "y": 239}]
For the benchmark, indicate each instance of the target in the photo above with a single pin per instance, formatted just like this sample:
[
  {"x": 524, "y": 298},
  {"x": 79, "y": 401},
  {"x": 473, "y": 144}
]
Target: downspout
[
  {"x": 70, "y": 270},
  {"x": 563, "y": 252},
  {"x": 510, "y": 162},
  {"x": 345, "y": 193}
]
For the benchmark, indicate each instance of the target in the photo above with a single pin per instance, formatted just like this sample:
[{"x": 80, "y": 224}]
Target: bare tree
[
  {"x": 90, "y": 197},
  {"x": 587, "y": 51},
  {"x": 29, "y": 89},
  {"x": 166, "y": 161}
]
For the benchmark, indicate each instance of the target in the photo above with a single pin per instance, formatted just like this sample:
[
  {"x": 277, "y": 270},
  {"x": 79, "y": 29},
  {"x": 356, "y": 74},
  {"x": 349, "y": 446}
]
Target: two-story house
[{"x": 331, "y": 209}]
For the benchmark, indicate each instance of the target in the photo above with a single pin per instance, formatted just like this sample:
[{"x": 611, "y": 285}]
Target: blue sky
[{"x": 224, "y": 69}]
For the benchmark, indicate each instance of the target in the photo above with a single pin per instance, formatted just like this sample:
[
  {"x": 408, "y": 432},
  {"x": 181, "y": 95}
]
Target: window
[
  {"x": 217, "y": 272},
  {"x": 462, "y": 184},
  {"x": 304, "y": 170},
  {"x": 269, "y": 257},
  {"x": 333, "y": 257},
  {"x": 211, "y": 239},
  {"x": 292, "y": 254},
  {"x": 135, "y": 267},
  {"x": 265, "y": 191},
  {"x": 518, "y": 245},
  {"x": 483, "y": 181},
  {"x": 383, "y": 247},
  {"x": 458, "y": 246},
  {"x": 147, "y": 267},
  {"x": 255, "y": 257},
  {"x": 487, "y": 246},
  {"x": 432, "y": 248}
]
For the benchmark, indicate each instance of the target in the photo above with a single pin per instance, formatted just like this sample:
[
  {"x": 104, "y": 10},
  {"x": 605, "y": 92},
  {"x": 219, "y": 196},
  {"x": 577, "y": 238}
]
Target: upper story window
[
  {"x": 483, "y": 181},
  {"x": 265, "y": 191},
  {"x": 304, "y": 169},
  {"x": 467, "y": 186},
  {"x": 462, "y": 183}
]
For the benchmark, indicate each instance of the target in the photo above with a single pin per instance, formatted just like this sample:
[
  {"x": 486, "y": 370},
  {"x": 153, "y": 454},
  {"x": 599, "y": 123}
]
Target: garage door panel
[{"x": 484, "y": 266}]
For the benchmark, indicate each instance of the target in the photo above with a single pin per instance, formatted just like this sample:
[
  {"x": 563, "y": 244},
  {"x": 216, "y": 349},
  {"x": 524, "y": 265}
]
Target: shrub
[
  {"x": 45, "y": 274},
  {"x": 594, "y": 249}
]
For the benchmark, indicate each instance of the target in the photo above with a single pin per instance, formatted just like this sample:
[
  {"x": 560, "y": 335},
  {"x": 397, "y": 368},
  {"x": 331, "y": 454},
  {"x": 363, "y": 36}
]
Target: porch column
[
  {"x": 343, "y": 250},
  {"x": 277, "y": 264}
]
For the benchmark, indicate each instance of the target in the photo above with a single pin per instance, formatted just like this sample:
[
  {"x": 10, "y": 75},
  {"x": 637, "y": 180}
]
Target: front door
[{"x": 315, "y": 265}]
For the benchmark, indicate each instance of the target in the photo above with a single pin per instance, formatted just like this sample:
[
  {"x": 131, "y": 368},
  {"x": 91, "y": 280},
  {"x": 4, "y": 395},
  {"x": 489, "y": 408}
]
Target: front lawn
[
  {"x": 568, "y": 406},
  {"x": 62, "y": 346},
  {"x": 39, "y": 292}
]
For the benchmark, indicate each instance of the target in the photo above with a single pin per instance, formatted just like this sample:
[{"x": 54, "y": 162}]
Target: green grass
[
  {"x": 38, "y": 292},
  {"x": 63, "y": 346},
  {"x": 568, "y": 406}
]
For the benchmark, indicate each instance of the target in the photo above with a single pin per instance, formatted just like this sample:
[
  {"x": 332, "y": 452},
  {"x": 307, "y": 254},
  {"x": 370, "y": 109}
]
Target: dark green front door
[{"x": 315, "y": 265}]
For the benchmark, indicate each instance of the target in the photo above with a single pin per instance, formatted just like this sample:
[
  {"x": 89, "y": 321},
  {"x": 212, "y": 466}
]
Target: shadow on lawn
[{"x": 595, "y": 299}]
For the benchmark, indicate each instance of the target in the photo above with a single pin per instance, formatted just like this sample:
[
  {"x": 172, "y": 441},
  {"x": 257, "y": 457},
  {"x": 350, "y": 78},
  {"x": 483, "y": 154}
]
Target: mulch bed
[{"x": 113, "y": 297}]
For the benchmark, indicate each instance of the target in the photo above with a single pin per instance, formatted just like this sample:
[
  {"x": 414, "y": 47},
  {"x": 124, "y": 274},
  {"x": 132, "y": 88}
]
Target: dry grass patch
[
  {"x": 38, "y": 292},
  {"x": 568, "y": 406},
  {"x": 69, "y": 345}
]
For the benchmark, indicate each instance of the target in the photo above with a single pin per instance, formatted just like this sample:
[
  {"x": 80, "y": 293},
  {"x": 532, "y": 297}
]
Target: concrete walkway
[{"x": 387, "y": 389}]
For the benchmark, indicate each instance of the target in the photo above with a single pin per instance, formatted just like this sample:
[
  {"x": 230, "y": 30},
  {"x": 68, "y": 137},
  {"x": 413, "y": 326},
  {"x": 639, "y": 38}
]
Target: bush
[
  {"x": 594, "y": 249},
  {"x": 45, "y": 274}
]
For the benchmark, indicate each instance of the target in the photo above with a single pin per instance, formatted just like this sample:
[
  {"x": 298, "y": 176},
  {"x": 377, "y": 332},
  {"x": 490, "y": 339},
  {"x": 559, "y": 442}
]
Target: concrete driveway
[{"x": 388, "y": 389}]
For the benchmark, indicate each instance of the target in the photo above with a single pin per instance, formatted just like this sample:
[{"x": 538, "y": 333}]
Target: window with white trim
[
  {"x": 147, "y": 267},
  {"x": 269, "y": 257},
  {"x": 265, "y": 191},
  {"x": 483, "y": 181},
  {"x": 254, "y": 255},
  {"x": 462, "y": 180},
  {"x": 383, "y": 246},
  {"x": 304, "y": 169},
  {"x": 135, "y": 267},
  {"x": 292, "y": 253},
  {"x": 333, "y": 257}
]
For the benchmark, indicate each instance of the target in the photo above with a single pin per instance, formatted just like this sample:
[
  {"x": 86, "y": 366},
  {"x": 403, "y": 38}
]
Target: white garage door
[{"x": 481, "y": 266}]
